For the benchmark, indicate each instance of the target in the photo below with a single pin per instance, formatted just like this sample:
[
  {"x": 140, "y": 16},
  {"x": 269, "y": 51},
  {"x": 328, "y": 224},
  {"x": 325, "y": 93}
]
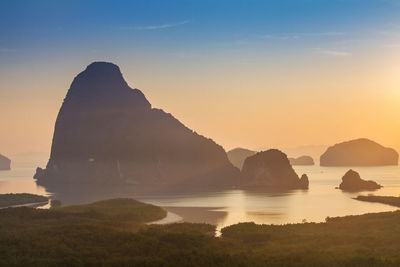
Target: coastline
[
  {"x": 209, "y": 215},
  {"x": 170, "y": 218},
  {"x": 34, "y": 204}
]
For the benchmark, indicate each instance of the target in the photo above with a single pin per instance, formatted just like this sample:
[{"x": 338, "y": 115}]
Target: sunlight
[{"x": 199, "y": 133}]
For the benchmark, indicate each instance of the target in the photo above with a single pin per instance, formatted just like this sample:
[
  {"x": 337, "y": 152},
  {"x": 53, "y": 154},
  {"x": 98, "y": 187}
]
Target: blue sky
[
  {"x": 293, "y": 67},
  {"x": 42, "y": 27}
]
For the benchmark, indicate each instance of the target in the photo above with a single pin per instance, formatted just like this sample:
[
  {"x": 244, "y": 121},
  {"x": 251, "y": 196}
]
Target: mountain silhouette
[
  {"x": 271, "y": 169},
  {"x": 359, "y": 152},
  {"x": 108, "y": 133},
  {"x": 302, "y": 160}
]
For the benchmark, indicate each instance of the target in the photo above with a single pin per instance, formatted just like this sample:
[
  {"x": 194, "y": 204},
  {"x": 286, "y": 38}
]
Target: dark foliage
[{"x": 114, "y": 233}]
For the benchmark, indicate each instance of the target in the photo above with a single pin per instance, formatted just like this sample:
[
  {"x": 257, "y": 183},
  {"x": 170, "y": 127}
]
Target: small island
[
  {"x": 271, "y": 169},
  {"x": 9, "y": 200},
  {"x": 359, "y": 152},
  {"x": 302, "y": 161},
  {"x": 352, "y": 182},
  {"x": 5, "y": 163}
]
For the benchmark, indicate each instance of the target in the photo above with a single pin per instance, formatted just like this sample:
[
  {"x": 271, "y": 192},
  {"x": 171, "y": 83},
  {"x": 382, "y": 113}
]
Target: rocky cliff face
[
  {"x": 107, "y": 132},
  {"x": 5, "y": 163},
  {"x": 352, "y": 182},
  {"x": 238, "y": 155},
  {"x": 303, "y": 160},
  {"x": 271, "y": 170},
  {"x": 359, "y": 152}
]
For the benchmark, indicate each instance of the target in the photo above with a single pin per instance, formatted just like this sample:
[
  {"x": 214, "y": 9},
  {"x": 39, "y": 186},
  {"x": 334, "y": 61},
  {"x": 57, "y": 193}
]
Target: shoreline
[
  {"x": 27, "y": 205},
  {"x": 176, "y": 214},
  {"x": 387, "y": 200},
  {"x": 168, "y": 219}
]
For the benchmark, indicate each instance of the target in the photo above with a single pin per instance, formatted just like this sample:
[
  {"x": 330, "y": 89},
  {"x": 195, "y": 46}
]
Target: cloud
[
  {"x": 394, "y": 32},
  {"x": 332, "y": 52},
  {"x": 158, "y": 27},
  {"x": 294, "y": 36},
  {"x": 391, "y": 46},
  {"x": 279, "y": 36},
  {"x": 392, "y": 29}
]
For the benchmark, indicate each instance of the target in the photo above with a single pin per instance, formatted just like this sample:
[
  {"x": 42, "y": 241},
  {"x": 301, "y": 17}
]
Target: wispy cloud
[
  {"x": 332, "y": 52},
  {"x": 391, "y": 46},
  {"x": 158, "y": 27},
  {"x": 280, "y": 36},
  {"x": 393, "y": 29},
  {"x": 294, "y": 36},
  {"x": 394, "y": 32}
]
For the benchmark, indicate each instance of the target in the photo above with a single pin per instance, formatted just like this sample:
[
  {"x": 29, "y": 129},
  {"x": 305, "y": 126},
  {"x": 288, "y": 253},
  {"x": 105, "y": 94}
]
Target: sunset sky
[{"x": 254, "y": 74}]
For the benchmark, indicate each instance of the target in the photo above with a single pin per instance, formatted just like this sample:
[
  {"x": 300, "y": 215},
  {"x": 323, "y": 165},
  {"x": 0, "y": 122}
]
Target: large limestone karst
[
  {"x": 359, "y": 152},
  {"x": 271, "y": 169},
  {"x": 352, "y": 182},
  {"x": 108, "y": 133},
  {"x": 238, "y": 155},
  {"x": 5, "y": 163}
]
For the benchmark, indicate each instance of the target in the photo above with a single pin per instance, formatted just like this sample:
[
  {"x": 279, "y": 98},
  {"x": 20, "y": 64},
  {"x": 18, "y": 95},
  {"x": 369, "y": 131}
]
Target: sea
[{"x": 227, "y": 207}]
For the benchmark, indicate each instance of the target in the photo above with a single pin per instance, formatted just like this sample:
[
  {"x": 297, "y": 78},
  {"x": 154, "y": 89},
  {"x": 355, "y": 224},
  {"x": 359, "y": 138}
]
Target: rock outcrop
[
  {"x": 108, "y": 133},
  {"x": 352, "y": 182},
  {"x": 359, "y": 152},
  {"x": 238, "y": 155},
  {"x": 5, "y": 163},
  {"x": 271, "y": 169},
  {"x": 303, "y": 160},
  {"x": 304, "y": 183}
]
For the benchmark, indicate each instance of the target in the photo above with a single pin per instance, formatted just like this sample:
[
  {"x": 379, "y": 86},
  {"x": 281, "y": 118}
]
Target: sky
[{"x": 255, "y": 74}]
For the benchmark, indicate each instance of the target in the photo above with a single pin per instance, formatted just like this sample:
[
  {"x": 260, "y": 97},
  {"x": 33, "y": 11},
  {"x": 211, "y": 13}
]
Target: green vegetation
[
  {"x": 119, "y": 209},
  {"x": 115, "y": 233},
  {"x": 393, "y": 201},
  {"x": 7, "y": 200}
]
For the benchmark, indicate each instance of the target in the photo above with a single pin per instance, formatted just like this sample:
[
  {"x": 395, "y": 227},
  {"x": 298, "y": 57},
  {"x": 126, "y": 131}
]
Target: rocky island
[
  {"x": 238, "y": 155},
  {"x": 352, "y": 182},
  {"x": 359, "y": 152},
  {"x": 303, "y": 160},
  {"x": 108, "y": 133},
  {"x": 271, "y": 169},
  {"x": 5, "y": 163}
]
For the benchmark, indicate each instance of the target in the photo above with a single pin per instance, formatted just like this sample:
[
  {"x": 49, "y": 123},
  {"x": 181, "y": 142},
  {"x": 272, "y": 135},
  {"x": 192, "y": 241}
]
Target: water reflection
[
  {"x": 228, "y": 207},
  {"x": 21, "y": 186}
]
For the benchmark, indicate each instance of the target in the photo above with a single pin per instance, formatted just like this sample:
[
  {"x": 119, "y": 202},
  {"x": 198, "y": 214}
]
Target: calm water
[{"x": 233, "y": 206}]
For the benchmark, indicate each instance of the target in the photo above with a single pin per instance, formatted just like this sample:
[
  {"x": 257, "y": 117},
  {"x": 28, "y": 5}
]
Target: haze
[{"x": 255, "y": 74}]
